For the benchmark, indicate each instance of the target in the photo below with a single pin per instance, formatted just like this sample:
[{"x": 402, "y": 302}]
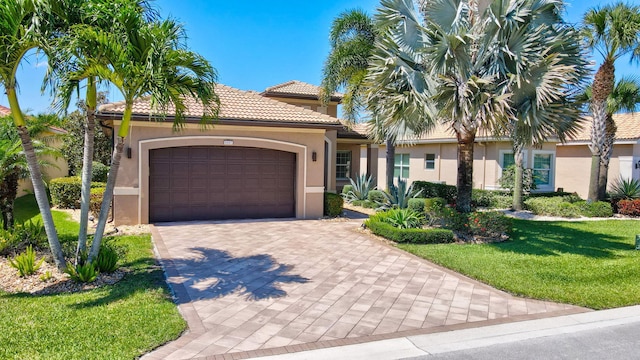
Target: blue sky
[{"x": 255, "y": 44}]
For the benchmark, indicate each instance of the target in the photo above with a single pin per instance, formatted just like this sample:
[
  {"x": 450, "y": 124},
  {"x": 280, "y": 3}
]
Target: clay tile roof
[
  {"x": 238, "y": 105},
  {"x": 628, "y": 128},
  {"x": 4, "y": 111},
  {"x": 297, "y": 88}
]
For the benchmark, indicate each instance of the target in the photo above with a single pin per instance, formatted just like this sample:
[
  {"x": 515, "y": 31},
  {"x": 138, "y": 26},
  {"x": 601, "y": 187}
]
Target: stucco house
[{"x": 263, "y": 158}]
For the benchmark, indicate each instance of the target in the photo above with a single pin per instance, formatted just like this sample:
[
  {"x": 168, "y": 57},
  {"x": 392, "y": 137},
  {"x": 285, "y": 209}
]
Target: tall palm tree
[
  {"x": 612, "y": 31},
  {"x": 480, "y": 56},
  {"x": 13, "y": 163},
  {"x": 24, "y": 24},
  {"x": 148, "y": 59},
  {"x": 353, "y": 36},
  {"x": 624, "y": 97},
  {"x": 67, "y": 56}
]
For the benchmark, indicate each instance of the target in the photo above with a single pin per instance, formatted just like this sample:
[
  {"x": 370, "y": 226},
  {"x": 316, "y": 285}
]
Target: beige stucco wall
[
  {"x": 574, "y": 166},
  {"x": 131, "y": 201},
  {"x": 486, "y": 163},
  {"x": 60, "y": 169}
]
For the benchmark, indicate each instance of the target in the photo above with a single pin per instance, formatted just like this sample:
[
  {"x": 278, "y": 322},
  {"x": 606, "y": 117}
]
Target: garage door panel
[{"x": 205, "y": 183}]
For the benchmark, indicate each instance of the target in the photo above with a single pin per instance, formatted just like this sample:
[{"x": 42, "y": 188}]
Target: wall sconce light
[
  {"x": 314, "y": 156},
  {"x": 128, "y": 150},
  {"x": 638, "y": 165}
]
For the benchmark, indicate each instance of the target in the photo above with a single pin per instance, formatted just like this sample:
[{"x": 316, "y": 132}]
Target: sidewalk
[{"x": 549, "y": 333}]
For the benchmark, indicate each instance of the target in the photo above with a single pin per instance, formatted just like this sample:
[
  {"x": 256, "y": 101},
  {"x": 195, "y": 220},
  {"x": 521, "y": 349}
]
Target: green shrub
[
  {"x": 629, "y": 207},
  {"x": 414, "y": 236},
  {"x": 66, "y": 191},
  {"x": 433, "y": 208},
  {"x": 95, "y": 201},
  {"x": 346, "y": 189},
  {"x": 376, "y": 196},
  {"x": 597, "y": 209},
  {"x": 403, "y": 218},
  {"x": 508, "y": 179},
  {"x": 365, "y": 204},
  {"x": 553, "y": 206},
  {"x": 417, "y": 205},
  {"x": 431, "y": 190},
  {"x": 26, "y": 263},
  {"x": 99, "y": 172},
  {"x": 489, "y": 224},
  {"x": 333, "y": 204},
  {"x": 29, "y": 233},
  {"x": 84, "y": 273},
  {"x": 107, "y": 259}
]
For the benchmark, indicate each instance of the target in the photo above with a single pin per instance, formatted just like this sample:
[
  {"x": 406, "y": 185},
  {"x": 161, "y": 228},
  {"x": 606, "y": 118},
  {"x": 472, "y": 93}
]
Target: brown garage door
[{"x": 214, "y": 183}]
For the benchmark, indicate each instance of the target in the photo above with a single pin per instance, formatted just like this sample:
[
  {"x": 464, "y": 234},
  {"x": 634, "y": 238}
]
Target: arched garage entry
[{"x": 220, "y": 182}]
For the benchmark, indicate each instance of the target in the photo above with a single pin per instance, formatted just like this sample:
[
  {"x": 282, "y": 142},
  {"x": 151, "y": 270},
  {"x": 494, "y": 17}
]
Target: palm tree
[
  {"x": 13, "y": 164},
  {"x": 24, "y": 24},
  {"x": 480, "y": 57},
  {"x": 148, "y": 59},
  {"x": 353, "y": 36},
  {"x": 624, "y": 97},
  {"x": 67, "y": 56},
  {"x": 613, "y": 31}
]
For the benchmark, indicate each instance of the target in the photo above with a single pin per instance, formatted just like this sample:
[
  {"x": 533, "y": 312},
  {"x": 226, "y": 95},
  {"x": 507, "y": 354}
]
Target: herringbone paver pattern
[{"x": 244, "y": 286}]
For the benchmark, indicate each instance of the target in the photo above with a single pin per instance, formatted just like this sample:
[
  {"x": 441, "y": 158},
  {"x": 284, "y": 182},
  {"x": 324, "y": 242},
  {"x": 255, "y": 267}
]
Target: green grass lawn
[
  {"x": 590, "y": 263},
  {"x": 120, "y": 321}
]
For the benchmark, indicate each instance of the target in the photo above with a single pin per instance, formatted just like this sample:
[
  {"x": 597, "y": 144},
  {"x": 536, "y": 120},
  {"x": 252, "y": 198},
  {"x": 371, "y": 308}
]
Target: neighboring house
[
  {"x": 556, "y": 166},
  {"x": 60, "y": 167},
  {"x": 573, "y": 162},
  {"x": 263, "y": 158}
]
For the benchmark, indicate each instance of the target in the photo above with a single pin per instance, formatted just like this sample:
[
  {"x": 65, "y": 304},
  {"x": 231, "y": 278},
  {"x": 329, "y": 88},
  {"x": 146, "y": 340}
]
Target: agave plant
[
  {"x": 398, "y": 196},
  {"x": 404, "y": 218},
  {"x": 625, "y": 189},
  {"x": 360, "y": 188}
]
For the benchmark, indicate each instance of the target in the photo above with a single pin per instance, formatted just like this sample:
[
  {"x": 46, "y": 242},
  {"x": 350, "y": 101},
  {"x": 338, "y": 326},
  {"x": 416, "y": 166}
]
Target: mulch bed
[{"x": 59, "y": 282}]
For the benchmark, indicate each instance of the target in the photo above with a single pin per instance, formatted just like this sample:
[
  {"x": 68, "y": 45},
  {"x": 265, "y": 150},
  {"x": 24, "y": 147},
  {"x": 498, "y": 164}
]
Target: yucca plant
[
  {"x": 404, "y": 218},
  {"x": 398, "y": 196},
  {"x": 625, "y": 189},
  {"x": 359, "y": 188},
  {"x": 26, "y": 263}
]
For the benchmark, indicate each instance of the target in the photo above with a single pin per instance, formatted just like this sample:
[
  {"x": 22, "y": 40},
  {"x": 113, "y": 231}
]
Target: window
[
  {"x": 401, "y": 166},
  {"x": 430, "y": 161},
  {"x": 343, "y": 164},
  {"x": 507, "y": 159},
  {"x": 542, "y": 163}
]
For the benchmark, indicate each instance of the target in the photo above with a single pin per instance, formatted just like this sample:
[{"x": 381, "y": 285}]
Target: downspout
[{"x": 113, "y": 142}]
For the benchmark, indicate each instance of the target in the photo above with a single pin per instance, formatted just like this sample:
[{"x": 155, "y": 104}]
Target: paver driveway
[{"x": 263, "y": 287}]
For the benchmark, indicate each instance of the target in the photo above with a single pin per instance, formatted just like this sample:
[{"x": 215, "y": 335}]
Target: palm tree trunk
[
  {"x": 42, "y": 199},
  {"x": 106, "y": 200},
  {"x": 391, "y": 158},
  {"x": 518, "y": 157},
  {"x": 36, "y": 177},
  {"x": 87, "y": 163},
  {"x": 465, "y": 171},
  {"x": 605, "y": 157},
  {"x": 603, "y": 84}
]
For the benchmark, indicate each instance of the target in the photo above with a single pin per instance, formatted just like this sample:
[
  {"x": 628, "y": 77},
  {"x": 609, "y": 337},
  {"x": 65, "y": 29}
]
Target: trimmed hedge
[
  {"x": 333, "y": 204},
  {"x": 431, "y": 190},
  {"x": 346, "y": 189},
  {"x": 365, "y": 204},
  {"x": 95, "y": 201},
  {"x": 66, "y": 191},
  {"x": 568, "y": 206},
  {"x": 412, "y": 236}
]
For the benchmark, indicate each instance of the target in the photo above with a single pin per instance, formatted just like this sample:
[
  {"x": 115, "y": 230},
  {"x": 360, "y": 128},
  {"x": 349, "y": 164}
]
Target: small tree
[{"x": 508, "y": 179}]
